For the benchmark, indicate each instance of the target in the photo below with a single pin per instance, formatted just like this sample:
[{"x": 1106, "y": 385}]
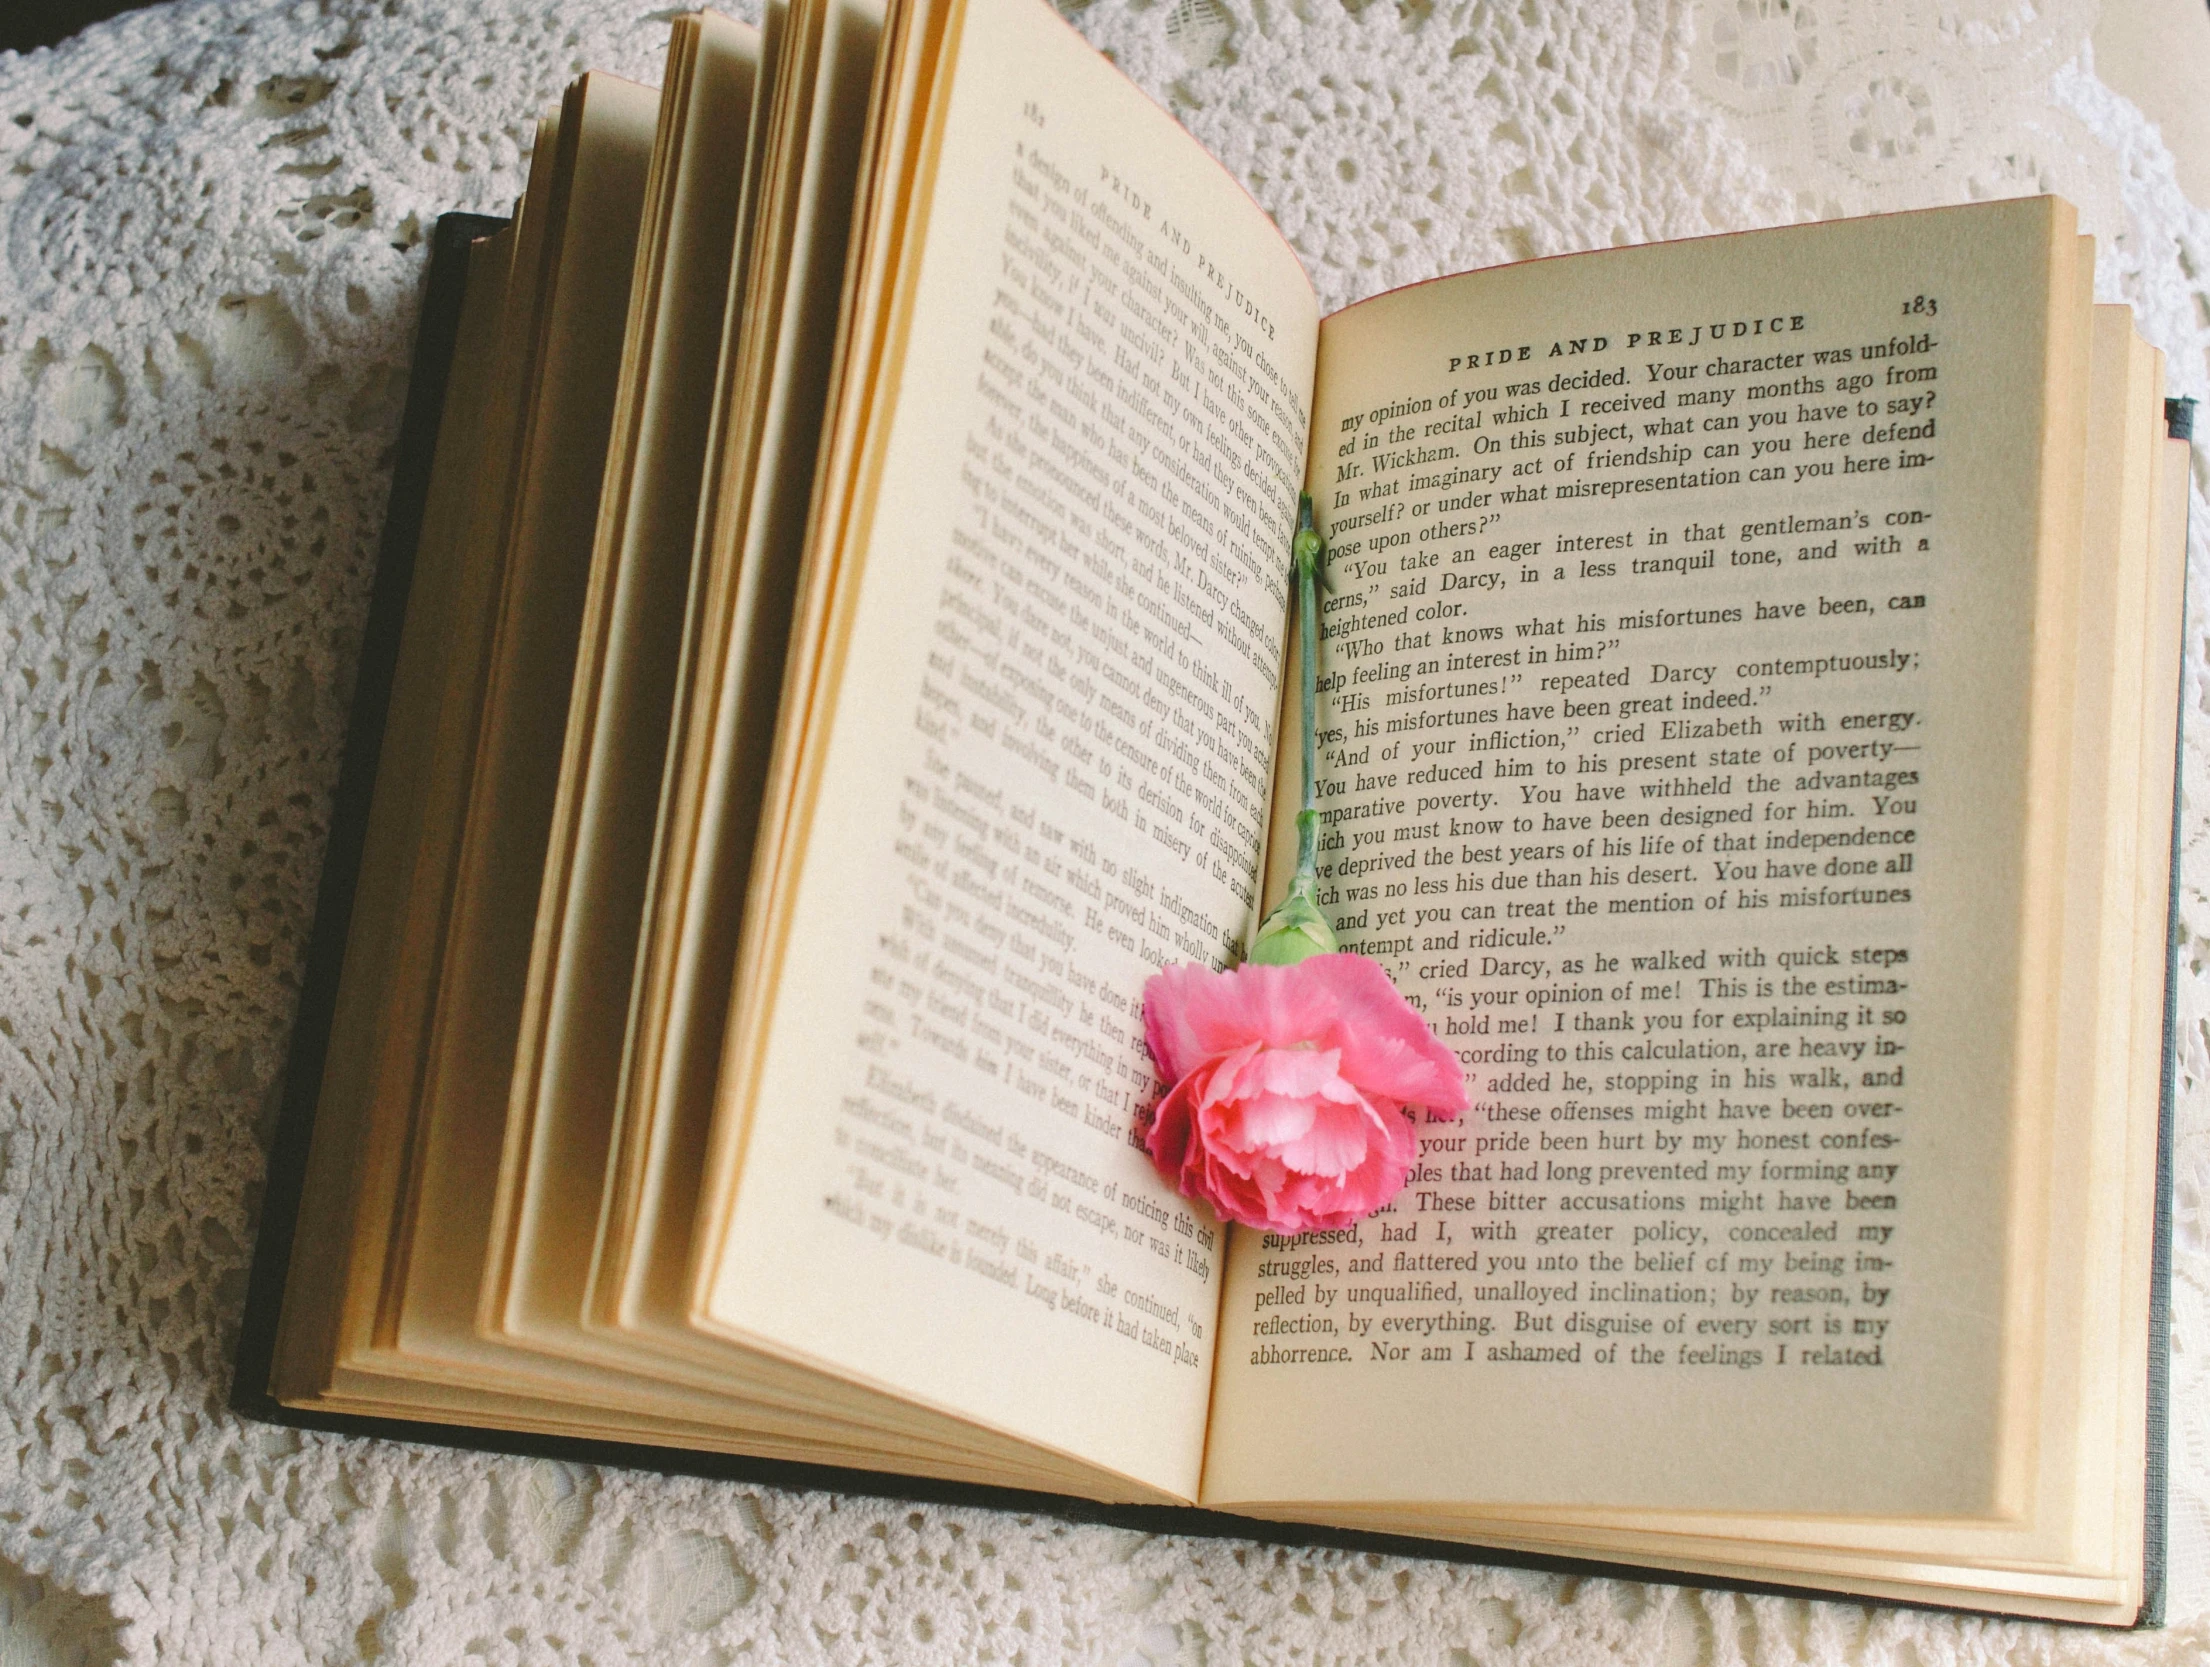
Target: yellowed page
[
  {"x": 2085, "y": 1522},
  {"x": 606, "y": 127},
  {"x": 1039, "y": 771},
  {"x": 1679, "y": 763},
  {"x": 357, "y": 1161},
  {"x": 654, "y": 1026},
  {"x": 2091, "y": 1416},
  {"x": 585, "y": 218},
  {"x": 567, "y": 1077},
  {"x": 428, "y": 1351},
  {"x": 776, "y": 365},
  {"x": 2046, "y": 1594}
]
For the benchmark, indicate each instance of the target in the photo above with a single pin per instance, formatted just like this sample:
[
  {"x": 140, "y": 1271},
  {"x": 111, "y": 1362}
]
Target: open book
[{"x": 845, "y": 657}]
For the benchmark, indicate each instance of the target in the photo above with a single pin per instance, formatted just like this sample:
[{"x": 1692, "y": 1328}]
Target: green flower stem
[
  {"x": 1298, "y": 928},
  {"x": 1306, "y": 553}
]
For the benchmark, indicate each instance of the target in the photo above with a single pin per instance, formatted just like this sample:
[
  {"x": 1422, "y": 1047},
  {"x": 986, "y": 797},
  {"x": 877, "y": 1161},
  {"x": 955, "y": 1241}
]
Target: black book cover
[{"x": 433, "y": 355}]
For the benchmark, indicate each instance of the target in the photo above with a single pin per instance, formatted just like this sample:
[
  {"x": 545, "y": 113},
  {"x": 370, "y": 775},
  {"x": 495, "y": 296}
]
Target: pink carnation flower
[{"x": 1289, "y": 1087}]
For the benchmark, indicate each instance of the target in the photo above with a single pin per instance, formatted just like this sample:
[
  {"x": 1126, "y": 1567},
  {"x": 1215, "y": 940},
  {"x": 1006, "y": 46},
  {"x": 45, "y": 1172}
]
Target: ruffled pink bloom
[{"x": 1287, "y": 1110}]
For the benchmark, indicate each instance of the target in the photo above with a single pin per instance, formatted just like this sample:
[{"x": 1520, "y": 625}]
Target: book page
[
  {"x": 1042, "y": 745},
  {"x": 357, "y": 1159},
  {"x": 1680, "y": 677},
  {"x": 590, "y": 232},
  {"x": 561, "y": 1117},
  {"x": 776, "y": 357},
  {"x": 2097, "y": 1186}
]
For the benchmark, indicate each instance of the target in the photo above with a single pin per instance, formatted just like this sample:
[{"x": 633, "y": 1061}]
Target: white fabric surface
[{"x": 212, "y": 225}]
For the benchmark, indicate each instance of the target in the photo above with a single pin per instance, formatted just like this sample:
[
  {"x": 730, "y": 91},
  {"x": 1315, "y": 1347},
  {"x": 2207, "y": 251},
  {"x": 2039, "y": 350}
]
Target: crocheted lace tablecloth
[{"x": 212, "y": 229}]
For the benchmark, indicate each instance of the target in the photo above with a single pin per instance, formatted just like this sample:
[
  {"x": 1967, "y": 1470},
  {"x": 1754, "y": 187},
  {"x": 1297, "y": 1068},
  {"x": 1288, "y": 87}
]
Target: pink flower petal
[
  {"x": 1387, "y": 1047},
  {"x": 1262, "y": 1123},
  {"x": 1167, "y": 996}
]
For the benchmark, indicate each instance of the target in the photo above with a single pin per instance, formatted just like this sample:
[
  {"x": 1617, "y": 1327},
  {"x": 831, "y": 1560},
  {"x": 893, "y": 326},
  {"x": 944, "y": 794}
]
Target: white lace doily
[{"x": 213, "y": 217}]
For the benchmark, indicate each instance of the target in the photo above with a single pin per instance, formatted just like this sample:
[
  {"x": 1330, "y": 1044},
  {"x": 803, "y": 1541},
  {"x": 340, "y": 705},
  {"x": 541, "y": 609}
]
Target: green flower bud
[{"x": 1295, "y": 930}]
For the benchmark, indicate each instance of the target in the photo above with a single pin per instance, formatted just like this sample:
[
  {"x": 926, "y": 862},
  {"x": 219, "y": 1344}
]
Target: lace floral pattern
[{"x": 212, "y": 222}]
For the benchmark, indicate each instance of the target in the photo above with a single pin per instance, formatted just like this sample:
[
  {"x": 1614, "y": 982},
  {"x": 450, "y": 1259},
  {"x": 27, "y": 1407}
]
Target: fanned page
[
  {"x": 1035, "y": 765},
  {"x": 568, "y": 1057},
  {"x": 1680, "y": 760},
  {"x": 590, "y": 235},
  {"x": 355, "y": 1176},
  {"x": 777, "y": 357}
]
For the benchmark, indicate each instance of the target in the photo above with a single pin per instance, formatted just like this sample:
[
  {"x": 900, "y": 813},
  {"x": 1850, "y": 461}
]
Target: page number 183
[{"x": 1921, "y": 306}]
